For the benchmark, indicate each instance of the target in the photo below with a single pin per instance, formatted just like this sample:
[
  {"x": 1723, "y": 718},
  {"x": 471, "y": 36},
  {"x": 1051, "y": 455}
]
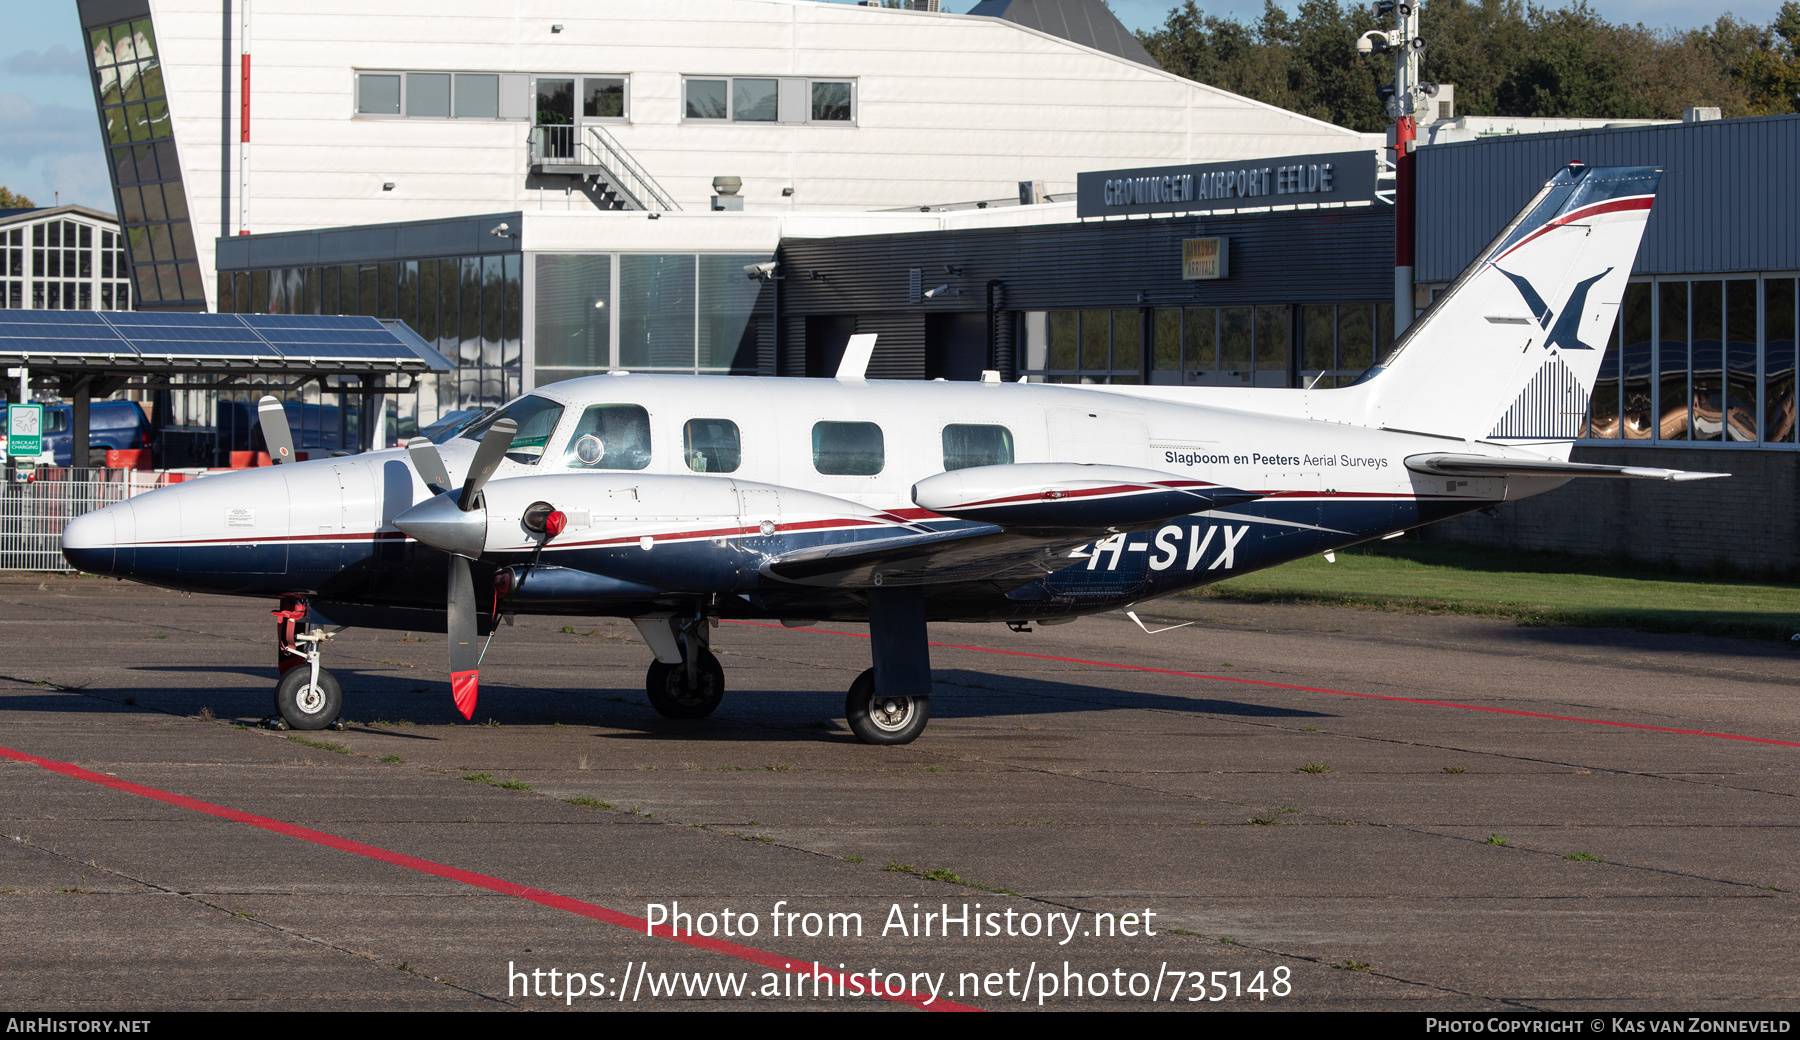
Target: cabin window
[
  {"x": 610, "y": 436},
  {"x": 711, "y": 445},
  {"x": 969, "y": 445},
  {"x": 853, "y": 449},
  {"x": 536, "y": 417}
]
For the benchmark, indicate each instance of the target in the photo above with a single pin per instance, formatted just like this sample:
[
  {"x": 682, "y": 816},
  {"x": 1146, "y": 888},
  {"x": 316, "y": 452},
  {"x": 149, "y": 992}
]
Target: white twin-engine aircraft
[{"x": 676, "y": 501}]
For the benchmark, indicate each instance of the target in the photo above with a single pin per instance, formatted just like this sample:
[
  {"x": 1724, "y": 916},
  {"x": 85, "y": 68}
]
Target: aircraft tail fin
[{"x": 1511, "y": 351}]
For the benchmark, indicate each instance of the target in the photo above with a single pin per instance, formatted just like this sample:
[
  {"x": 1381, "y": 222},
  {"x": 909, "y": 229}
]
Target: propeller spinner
[{"x": 457, "y": 524}]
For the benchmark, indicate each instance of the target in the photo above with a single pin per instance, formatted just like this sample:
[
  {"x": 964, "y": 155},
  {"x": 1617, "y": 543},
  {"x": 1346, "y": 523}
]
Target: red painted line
[
  {"x": 1317, "y": 689},
  {"x": 493, "y": 884}
]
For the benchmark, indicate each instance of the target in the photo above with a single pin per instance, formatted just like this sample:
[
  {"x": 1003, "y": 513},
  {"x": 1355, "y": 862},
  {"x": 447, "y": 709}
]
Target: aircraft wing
[
  {"x": 1027, "y": 517},
  {"x": 927, "y": 558},
  {"x": 1448, "y": 465}
]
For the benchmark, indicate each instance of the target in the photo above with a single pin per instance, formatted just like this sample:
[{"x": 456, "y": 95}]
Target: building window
[
  {"x": 134, "y": 114},
  {"x": 768, "y": 100},
  {"x": 1700, "y": 360},
  {"x": 378, "y": 95},
  {"x": 442, "y": 95},
  {"x": 831, "y": 101}
]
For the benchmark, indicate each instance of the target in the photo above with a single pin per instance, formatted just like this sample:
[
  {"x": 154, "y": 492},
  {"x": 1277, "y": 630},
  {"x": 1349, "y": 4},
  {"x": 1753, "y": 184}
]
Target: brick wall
[{"x": 1749, "y": 522}]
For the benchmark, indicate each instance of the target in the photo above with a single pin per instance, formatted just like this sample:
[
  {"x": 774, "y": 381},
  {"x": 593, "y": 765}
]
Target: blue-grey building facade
[{"x": 1700, "y": 368}]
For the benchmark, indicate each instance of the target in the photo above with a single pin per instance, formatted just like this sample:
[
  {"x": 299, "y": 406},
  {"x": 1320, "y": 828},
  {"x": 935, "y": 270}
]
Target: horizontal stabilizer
[
  {"x": 1063, "y": 495},
  {"x": 1444, "y": 465}
]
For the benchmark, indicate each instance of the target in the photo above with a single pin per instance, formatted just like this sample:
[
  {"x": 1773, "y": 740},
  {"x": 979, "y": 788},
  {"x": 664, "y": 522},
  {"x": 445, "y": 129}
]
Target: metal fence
[{"x": 34, "y": 513}]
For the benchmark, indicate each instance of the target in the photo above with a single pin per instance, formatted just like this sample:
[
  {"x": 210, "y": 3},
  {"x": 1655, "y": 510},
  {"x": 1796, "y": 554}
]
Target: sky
[{"x": 50, "y": 135}]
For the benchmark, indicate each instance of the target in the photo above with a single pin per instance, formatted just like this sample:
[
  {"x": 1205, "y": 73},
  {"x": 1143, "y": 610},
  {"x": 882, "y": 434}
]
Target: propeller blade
[
  {"x": 465, "y": 651},
  {"x": 494, "y": 443},
  {"x": 276, "y": 435},
  {"x": 429, "y": 463}
]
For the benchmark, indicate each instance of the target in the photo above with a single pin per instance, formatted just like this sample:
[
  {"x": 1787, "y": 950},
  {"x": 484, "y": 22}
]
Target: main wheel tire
[
  {"x": 306, "y": 705},
  {"x": 673, "y": 698},
  {"x": 876, "y": 719}
]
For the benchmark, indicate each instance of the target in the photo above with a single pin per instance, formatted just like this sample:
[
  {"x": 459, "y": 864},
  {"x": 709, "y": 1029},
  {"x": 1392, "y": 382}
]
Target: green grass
[
  {"x": 489, "y": 779},
  {"x": 322, "y": 745},
  {"x": 592, "y": 803},
  {"x": 1584, "y": 857},
  {"x": 1529, "y": 588}
]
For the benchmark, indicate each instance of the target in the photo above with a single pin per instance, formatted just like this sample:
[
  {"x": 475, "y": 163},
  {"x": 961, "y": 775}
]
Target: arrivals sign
[
  {"x": 24, "y": 430},
  {"x": 1285, "y": 180},
  {"x": 1205, "y": 258}
]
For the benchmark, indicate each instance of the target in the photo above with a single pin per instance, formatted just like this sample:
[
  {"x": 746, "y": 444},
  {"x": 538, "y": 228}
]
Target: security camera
[
  {"x": 761, "y": 272},
  {"x": 939, "y": 291},
  {"x": 501, "y": 230}
]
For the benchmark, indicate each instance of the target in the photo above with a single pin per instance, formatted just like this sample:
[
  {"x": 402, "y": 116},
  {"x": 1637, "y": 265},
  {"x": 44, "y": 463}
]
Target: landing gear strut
[
  {"x": 692, "y": 684},
  {"x": 307, "y": 697},
  {"x": 891, "y": 702}
]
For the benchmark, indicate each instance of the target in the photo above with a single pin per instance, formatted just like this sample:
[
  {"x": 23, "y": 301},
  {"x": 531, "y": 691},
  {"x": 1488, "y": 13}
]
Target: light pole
[{"x": 1403, "y": 99}]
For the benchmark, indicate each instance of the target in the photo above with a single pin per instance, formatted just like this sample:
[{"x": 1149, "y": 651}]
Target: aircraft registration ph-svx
[{"x": 677, "y": 501}]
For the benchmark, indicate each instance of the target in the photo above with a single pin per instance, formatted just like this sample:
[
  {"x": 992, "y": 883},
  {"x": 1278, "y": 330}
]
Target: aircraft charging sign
[{"x": 24, "y": 430}]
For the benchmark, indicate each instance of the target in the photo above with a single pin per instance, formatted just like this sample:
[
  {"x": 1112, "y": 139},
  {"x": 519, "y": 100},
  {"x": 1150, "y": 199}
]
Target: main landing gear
[
  {"x": 887, "y": 704},
  {"x": 891, "y": 702},
  {"x": 307, "y": 697},
  {"x": 685, "y": 681}
]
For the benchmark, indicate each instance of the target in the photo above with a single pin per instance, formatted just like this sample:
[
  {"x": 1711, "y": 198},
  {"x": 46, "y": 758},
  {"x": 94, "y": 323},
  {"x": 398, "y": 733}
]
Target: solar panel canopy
[{"x": 269, "y": 342}]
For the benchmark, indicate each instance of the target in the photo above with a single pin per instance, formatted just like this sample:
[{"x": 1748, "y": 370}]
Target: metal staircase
[{"x": 590, "y": 153}]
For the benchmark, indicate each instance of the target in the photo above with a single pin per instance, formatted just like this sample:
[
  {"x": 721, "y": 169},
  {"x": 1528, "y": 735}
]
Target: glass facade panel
[
  {"x": 129, "y": 92},
  {"x": 1672, "y": 361},
  {"x": 1234, "y": 339},
  {"x": 1603, "y": 406},
  {"x": 378, "y": 95},
  {"x": 1740, "y": 360},
  {"x": 831, "y": 102},
  {"x": 729, "y": 323},
  {"x": 1779, "y": 327},
  {"x": 656, "y": 311},
  {"x": 1199, "y": 340},
  {"x": 1356, "y": 340},
  {"x": 1317, "y": 338},
  {"x": 1165, "y": 348},
  {"x": 1096, "y": 327},
  {"x": 1064, "y": 339},
  {"x": 574, "y": 320},
  {"x": 602, "y": 97},
  {"x": 1127, "y": 344},
  {"x": 427, "y": 94},
  {"x": 1707, "y": 351},
  {"x": 1637, "y": 408},
  {"x": 753, "y": 100},
  {"x": 477, "y": 95},
  {"x": 705, "y": 99}
]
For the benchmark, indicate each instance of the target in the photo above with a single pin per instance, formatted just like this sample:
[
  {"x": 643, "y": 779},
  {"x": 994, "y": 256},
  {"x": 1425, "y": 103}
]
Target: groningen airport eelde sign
[{"x": 1283, "y": 180}]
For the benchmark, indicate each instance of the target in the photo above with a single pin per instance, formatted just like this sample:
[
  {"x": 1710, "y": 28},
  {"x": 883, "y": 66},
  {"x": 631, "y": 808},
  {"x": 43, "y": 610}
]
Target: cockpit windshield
[{"x": 536, "y": 417}]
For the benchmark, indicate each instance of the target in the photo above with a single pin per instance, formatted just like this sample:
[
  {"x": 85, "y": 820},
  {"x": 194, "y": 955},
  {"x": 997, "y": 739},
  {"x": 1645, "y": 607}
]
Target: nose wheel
[
  {"x": 308, "y": 702},
  {"x": 677, "y": 695},
  {"x": 307, "y": 697},
  {"x": 877, "y": 718}
]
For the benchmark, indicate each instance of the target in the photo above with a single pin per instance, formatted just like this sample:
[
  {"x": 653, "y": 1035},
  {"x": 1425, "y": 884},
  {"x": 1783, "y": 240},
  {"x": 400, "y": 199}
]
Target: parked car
[{"x": 111, "y": 424}]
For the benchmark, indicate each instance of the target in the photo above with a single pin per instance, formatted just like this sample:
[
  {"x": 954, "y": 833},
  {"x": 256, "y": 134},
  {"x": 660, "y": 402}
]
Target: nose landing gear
[{"x": 307, "y": 697}]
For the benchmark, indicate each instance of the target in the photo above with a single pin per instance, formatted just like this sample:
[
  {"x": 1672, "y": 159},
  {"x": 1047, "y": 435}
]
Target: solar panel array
[{"x": 135, "y": 338}]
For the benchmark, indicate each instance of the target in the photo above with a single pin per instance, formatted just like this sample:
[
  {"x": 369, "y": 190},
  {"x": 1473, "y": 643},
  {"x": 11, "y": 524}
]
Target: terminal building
[{"x": 544, "y": 193}]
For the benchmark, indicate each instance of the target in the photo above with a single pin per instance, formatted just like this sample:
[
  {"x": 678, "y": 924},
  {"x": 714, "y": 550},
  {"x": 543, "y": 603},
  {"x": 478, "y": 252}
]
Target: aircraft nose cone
[
  {"x": 89, "y": 541},
  {"x": 438, "y": 523}
]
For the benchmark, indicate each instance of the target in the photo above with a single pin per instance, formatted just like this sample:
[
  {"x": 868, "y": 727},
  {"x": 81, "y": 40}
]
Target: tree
[
  {"x": 1506, "y": 57},
  {"x": 10, "y": 201}
]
